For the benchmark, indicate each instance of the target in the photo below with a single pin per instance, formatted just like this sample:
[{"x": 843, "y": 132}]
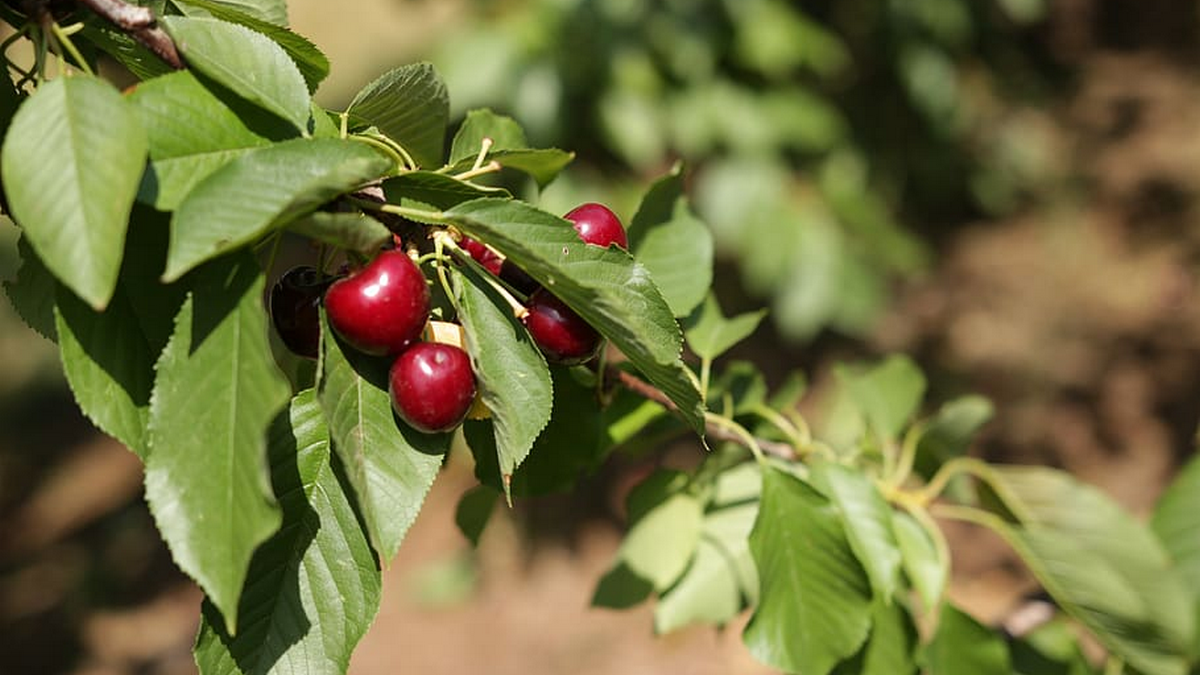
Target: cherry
[
  {"x": 294, "y": 304},
  {"x": 596, "y": 224},
  {"x": 563, "y": 336},
  {"x": 432, "y": 386},
  {"x": 517, "y": 278},
  {"x": 483, "y": 255},
  {"x": 381, "y": 308}
]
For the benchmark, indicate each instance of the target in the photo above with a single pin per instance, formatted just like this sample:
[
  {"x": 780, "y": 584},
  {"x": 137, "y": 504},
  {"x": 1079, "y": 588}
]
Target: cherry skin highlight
[
  {"x": 382, "y": 308},
  {"x": 294, "y": 303},
  {"x": 562, "y": 335},
  {"x": 596, "y": 224},
  {"x": 432, "y": 386}
]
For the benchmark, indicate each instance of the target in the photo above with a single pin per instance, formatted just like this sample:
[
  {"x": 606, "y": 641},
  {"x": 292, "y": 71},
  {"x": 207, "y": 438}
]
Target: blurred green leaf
[
  {"x": 411, "y": 106},
  {"x": 888, "y": 394},
  {"x": 1050, "y": 649},
  {"x": 673, "y": 244},
  {"x": 963, "y": 646},
  {"x": 32, "y": 293},
  {"x": 889, "y": 649},
  {"x": 664, "y": 533},
  {"x": 950, "y": 432},
  {"x": 925, "y": 570},
  {"x": 272, "y": 11},
  {"x": 710, "y": 334},
  {"x": 868, "y": 522},
  {"x": 473, "y": 511}
]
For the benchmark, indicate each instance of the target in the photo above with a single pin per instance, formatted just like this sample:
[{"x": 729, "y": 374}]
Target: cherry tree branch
[
  {"x": 712, "y": 430},
  {"x": 140, "y": 24}
]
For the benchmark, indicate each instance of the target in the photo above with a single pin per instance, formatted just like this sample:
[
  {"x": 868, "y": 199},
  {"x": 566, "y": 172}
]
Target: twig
[
  {"x": 141, "y": 25},
  {"x": 711, "y": 429}
]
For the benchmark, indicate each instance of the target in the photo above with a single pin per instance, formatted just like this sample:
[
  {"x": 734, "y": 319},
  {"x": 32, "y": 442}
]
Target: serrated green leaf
[
  {"x": 313, "y": 65},
  {"x": 1103, "y": 567},
  {"x": 191, "y": 133},
  {"x": 71, "y": 163},
  {"x": 568, "y": 447},
  {"x": 248, "y": 63},
  {"x": 888, "y": 394},
  {"x": 32, "y": 293},
  {"x": 678, "y": 251},
  {"x": 390, "y": 465},
  {"x": 504, "y": 131},
  {"x": 925, "y": 570},
  {"x": 514, "y": 381},
  {"x": 663, "y": 537},
  {"x": 710, "y": 334},
  {"x": 411, "y": 106},
  {"x": 543, "y": 165},
  {"x": 473, "y": 511},
  {"x": 889, "y": 649},
  {"x": 814, "y": 606},
  {"x": 963, "y": 646},
  {"x": 423, "y": 189},
  {"x": 314, "y": 587},
  {"x": 216, "y": 393},
  {"x": 262, "y": 189},
  {"x": 606, "y": 287},
  {"x": 350, "y": 231},
  {"x": 868, "y": 522},
  {"x": 108, "y": 357}
]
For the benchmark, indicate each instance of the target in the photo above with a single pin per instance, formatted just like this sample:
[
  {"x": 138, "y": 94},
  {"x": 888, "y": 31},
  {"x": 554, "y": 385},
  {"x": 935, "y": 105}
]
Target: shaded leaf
[
  {"x": 142, "y": 62},
  {"x": 71, "y": 162},
  {"x": 423, "y": 189},
  {"x": 922, "y": 565},
  {"x": 350, "y": 231},
  {"x": 889, "y": 649},
  {"x": 950, "y": 432},
  {"x": 474, "y": 509},
  {"x": 32, "y": 293},
  {"x": 314, "y": 587},
  {"x": 962, "y": 646},
  {"x": 411, "y": 106},
  {"x": 621, "y": 588},
  {"x": 505, "y": 132},
  {"x": 1050, "y": 649},
  {"x": 710, "y": 334},
  {"x": 868, "y": 521},
  {"x": 263, "y": 189},
  {"x": 664, "y": 532},
  {"x": 212, "y": 500}
]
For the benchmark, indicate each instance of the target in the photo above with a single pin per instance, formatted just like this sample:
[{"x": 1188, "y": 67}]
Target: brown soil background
[{"x": 1079, "y": 320}]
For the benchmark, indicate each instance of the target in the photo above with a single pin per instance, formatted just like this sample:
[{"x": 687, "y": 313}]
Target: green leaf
[
  {"x": 514, "y": 381},
  {"x": 142, "y": 62},
  {"x": 390, "y": 465},
  {"x": 191, "y": 133},
  {"x": 71, "y": 162},
  {"x": 32, "y": 293},
  {"x": 314, "y": 587},
  {"x": 710, "y": 334},
  {"x": 505, "y": 132},
  {"x": 950, "y": 432},
  {"x": 720, "y": 576},
  {"x": 272, "y": 11},
  {"x": 621, "y": 588},
  {"x": 889, "y": 650},
  {"x": 568, "y": 446},
  {"x": 664, "y": 534},
  {"x": 313, "y": 65},
  {"x": 423, "y": 189},
  {"x": 474, "y": 510},
  {"x": 963, "y": 646},
  {"x": 411, "y": 106},
  {"x": 541, "y": 164},
  {"x": 673, "y": 244},
  {"x": 1103, "y": 567},
  {"x": 888, "y": 394},
  {"x": 1050, "y": 649},
  {"x": 108, "y": 357},
  {"x": 262, "y": 189},
  {"x": 350, "y": 231},
  {"x": 248, "y": 63},
  {"x": 216, "y": 393},
  {"x": 925, "y": 570},
  {"x": 814, "y": 607},
  {"x": 1176, "y": 521},
  {"x": 868, "y": 522},
  {"x": 606, "y": 287}
]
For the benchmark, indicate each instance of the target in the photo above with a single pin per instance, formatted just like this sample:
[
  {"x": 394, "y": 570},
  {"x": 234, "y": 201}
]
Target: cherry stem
[
  {"x": 141, "y": 25},
  {"x": 484, "y": 146},
  {"x": 64, "y": 40},
  {"x": 491, "y": 167}
]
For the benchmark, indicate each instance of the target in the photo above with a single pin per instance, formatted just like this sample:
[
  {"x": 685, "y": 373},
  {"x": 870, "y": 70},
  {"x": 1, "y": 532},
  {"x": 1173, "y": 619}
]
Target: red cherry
[
  {"x": 293, "y": 303},
  {"x": 596, "y": 224},
  {"x": 382, "y": 308},
  {"x": 483, "y": 255},
  {"x": 563, "y": 336},
  {"x": 432, "y": 386}
]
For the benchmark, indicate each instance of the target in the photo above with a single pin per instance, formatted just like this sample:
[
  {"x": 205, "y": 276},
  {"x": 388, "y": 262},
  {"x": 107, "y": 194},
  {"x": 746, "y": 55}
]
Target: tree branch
[
  {"x": 649, "y": 391},
  {"x": 140, "y": 24}
]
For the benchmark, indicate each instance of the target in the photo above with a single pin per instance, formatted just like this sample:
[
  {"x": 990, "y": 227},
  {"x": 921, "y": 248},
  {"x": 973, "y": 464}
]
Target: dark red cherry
[
  {"x": 294, "y": 302},
  {"x": 517, "y": 278},
  {"x": 381, "y": 308},
  {"x": 483, "y": 255},
  {"x": 563, "y": 336},
  {"x": 432, "y": 386},
  {"x": 598, "y": 225}
]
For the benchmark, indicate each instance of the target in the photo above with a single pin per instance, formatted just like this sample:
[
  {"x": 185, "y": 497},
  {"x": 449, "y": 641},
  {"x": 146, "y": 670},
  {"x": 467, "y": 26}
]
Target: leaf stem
[
  {"x": 739, "y": 431},
  {"x": 960, "y": 465},
  {"x": 908, "y": 454},
  {"x": 799, "y": 439},
  {"x": 419, "y": 215},
  {"x": 64, "y": 40},
  {"x": 484, "y": 146},
  {"x": 385, "y": 148},
  {"x": 491, "y": 167}
]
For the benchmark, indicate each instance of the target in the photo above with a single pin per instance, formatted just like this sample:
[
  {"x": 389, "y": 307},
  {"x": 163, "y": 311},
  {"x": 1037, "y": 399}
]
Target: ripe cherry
[
  {"x": 432, "y": 386},
  {"x": 294, "y": 304},
  {"x": 483, "y": 255},
  {"x": 563, "y": 336},
  {"x": 596, "y": 224},
  {"x": 381, "y": 308}
]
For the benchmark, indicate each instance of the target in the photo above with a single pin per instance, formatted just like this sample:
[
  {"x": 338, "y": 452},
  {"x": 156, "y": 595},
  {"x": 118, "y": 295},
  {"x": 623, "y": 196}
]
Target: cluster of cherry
[{"x": 382, "y": 309}]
